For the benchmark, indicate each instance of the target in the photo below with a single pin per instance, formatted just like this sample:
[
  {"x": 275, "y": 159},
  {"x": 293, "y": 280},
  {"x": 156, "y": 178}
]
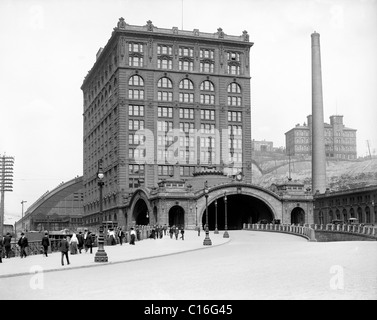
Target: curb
[{"x": 20, "y": 274}]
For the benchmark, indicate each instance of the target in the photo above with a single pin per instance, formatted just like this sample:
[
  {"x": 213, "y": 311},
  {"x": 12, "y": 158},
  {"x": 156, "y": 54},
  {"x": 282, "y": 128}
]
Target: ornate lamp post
[
  {"x": 101, "y": 255},
  {"x": 226, "y": 235},
  {"x": 216, "y": 230},
  {"x": 207, "y": 240}
]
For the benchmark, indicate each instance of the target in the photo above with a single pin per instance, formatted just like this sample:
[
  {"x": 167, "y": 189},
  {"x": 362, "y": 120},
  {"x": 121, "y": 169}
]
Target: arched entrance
[
  {"x": 140, "y": 213},
  {"x": 176, "y": 216},
  {"x": 241, "y": 209},
  {"x": 298, "y": 216}
]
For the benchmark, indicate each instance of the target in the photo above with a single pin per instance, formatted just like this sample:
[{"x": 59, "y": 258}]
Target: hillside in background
[{"x": 341, "y": 175}]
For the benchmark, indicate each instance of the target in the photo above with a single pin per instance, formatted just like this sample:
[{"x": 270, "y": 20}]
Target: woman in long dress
[
  {"x": 74, "y": 243},
  {"x": 133, "y": 236}
]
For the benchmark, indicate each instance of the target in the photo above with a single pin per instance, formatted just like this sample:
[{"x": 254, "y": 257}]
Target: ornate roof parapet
[
  {"x": 245, "y": 36},
  {"x": 150, "y": 27}
]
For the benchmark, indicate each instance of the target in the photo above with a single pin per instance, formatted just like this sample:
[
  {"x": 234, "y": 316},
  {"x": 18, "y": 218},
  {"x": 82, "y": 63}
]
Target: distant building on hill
[
  {"x": 262, "y": 146},
  {"x": 340, "y": 140}
]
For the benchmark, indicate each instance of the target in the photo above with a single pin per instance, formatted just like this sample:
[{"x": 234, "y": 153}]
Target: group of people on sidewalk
[
  {"x": 6, "y": 243},
  {"x": 77, "y": 242}
]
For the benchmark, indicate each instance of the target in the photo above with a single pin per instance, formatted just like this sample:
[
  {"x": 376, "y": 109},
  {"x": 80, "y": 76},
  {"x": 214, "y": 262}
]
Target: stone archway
[
  {"x": 177, "y": 216},
  {"x": 298, "y": 216},
  {"x": 141, "y": 213},
  {"x": 241, "y": 209}
]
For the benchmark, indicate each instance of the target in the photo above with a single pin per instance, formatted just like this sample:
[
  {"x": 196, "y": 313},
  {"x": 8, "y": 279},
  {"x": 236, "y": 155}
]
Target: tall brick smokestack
[{"x": 318, "y": 135}]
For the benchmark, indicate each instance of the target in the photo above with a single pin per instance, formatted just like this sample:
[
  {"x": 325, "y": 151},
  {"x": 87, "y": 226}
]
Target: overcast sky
[{"x": 47, "y": 48}]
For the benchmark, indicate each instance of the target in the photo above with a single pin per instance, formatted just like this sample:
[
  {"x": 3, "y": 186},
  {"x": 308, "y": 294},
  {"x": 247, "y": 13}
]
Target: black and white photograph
[{"x": 188, "y": 155}]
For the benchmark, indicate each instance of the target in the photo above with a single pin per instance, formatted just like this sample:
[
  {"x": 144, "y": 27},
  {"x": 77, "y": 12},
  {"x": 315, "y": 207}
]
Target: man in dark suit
[
  {"x": 7, "y": 244},
  {"x": 23, "y": 243},
  {"x": 120, "y": 235},
  {"x": 80, "y": 239},
  {"x": 45, "y": 243},
  {"x": 64, "y": 248}
]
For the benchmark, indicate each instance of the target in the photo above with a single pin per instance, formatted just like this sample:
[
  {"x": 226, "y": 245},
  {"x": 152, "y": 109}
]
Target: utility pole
[
  {"x": 22, "y": 219},
  {"x": 370, "y": 155},
  {"x": 6, "y": 184}
]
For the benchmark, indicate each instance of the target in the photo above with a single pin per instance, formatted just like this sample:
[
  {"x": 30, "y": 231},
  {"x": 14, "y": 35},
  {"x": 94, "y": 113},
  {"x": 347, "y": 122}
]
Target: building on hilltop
[
  {"x": 340, "y": 141},
  {"x": 262, "y": 146}
]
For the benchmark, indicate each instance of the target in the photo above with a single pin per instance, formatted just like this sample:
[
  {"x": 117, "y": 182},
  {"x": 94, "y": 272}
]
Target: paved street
[{"x": 250, "y": 265}]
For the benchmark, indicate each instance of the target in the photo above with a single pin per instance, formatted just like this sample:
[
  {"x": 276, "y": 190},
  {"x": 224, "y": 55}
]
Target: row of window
[
  {"x": 234, "y": 89},
  {"x": 184, "y": 113},
  {"x": 184, "y": 156},
  {"x": 363, "y": 217},
  {"x": 186, "y": 55}
]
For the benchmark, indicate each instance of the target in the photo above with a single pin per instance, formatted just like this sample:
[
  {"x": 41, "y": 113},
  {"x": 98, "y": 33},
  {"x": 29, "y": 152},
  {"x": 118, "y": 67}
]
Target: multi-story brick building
[
  {"x": 167, "y": 112},
  {"x": 340, "y": 141}
]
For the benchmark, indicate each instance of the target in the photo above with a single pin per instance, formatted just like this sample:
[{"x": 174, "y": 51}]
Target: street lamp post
[
  {"x": 196, "y": 215},
  {"x": 216, "y": 230},
  {"x": 226, "y": 234},
  {"x": 101, "y": 255},
  {"x": 207, "y": 240}
]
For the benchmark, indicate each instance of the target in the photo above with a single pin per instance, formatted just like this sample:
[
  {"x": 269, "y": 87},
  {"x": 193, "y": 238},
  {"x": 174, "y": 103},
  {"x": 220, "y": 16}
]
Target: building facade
[
  {"x": 167, "y": 114},
  {"x": 359, "y": 203},
  {"x": 262, "y": 146},
  {"x": 340, "y": 141},
  {"x": 60, "y": 208}
]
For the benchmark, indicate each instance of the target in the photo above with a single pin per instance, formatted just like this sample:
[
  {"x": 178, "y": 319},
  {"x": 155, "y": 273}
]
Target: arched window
[
  {"x": 166, "y": 94},
  {"x": 360, "y": 214},
  {"x": 337, "y": 214},
  {"x": 207, "y": 92},
  {"x": 136, "y": 88},
  {"x": 367, "y": 215},
  {"x": 234, "y": 95},
  {"x": 186, "y": 84},
  {"x": 330, "y": 216},
  {"x": 136, "y": 80},
  {"x": 165, "y": 83},
  {"x": 186, "y": 93},
  {"x": 345, "y": 215}
]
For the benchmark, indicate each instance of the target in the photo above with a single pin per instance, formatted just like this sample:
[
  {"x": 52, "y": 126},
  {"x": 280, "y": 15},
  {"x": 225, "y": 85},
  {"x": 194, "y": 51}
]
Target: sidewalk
[{"x": 145, "y": 249}]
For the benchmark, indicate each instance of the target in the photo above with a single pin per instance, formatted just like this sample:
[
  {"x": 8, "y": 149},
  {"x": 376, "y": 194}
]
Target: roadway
[{"x": 251, "y": 265}]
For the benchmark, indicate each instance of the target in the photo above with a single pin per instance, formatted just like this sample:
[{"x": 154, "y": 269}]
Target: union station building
[{"x": 167, "y": 119}]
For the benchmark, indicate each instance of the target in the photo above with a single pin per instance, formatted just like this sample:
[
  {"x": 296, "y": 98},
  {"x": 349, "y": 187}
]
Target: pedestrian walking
[
  {"x": 45, "y": 243},
  {"x": 183, "y": 233},
  {"x": 165, "y": 229},
  {"x": 74, "y": 242},
  {"x": 171, "y": 231},
  {"x": 153, "y": 234},
  {"x": 120, "y": 235},
  {"x": 88, "y": 242},
  {"x": 112, "y": 237},
  {"x": 176, "y": 232},
  {"x": 1, "y": 249},
  {"x": 7, "y": 244},
  {"x": 23, "y": 244},
  {"x": 198, "y": 228},
  {"x": 64, "y": 248},
  {"x": 133, "y": 236},
  {"x": 80, "y": 239}
]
